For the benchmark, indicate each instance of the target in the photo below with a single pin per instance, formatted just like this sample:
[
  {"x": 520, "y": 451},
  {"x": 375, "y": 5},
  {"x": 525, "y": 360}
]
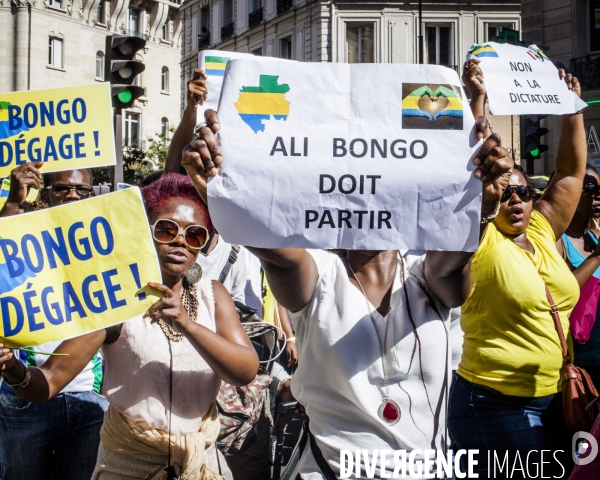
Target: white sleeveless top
[
  {"x": 136, "y": 380},
  {"x": 340, "y": 366}
]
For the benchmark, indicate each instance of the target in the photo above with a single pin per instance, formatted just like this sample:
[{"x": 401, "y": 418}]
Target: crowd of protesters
[{"x": 178, "y": 392}]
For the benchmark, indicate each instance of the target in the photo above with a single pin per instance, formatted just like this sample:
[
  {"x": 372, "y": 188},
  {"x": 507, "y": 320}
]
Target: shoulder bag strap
[
  {"x": 233, "y": 255},
  {"x": 327, "y": 471},
  {"x": 558, "y": 325}
]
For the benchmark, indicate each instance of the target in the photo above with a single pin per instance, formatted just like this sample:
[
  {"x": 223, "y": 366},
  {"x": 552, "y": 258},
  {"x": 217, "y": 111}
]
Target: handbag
[{"x": 579, "y": 391}]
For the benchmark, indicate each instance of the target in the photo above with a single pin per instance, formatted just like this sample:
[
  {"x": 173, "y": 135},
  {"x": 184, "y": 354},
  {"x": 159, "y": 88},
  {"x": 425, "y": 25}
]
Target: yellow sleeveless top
[{"x": 510, "y": 341}]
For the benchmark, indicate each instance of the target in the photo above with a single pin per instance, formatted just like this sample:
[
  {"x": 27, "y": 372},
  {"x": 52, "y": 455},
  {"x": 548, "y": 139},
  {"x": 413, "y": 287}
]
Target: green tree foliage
[{"x": 154, "y": 149}]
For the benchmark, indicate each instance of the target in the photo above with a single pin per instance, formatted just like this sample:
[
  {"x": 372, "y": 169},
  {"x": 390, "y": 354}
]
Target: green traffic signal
[
  {"x": 535, "y": 152},
  {"x": 125, "y": 96}
]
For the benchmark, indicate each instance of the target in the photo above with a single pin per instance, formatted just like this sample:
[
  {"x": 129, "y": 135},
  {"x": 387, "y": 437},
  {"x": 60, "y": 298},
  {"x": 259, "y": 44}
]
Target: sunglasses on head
[
  {"x": 591, "y": 188},
  {"x": 165, "y": 231},
  {"x": 524, "y": 192}
]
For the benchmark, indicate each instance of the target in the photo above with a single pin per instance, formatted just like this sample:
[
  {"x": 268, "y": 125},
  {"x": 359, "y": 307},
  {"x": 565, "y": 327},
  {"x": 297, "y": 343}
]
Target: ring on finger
[{"x": 28, "y": 174}]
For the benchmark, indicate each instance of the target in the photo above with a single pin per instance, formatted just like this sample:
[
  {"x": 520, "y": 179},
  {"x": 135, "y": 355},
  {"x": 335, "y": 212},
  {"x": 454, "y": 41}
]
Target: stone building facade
[
  {"x": 569, "y": 33},
  {"x": 347, "y": 31},
  {"x": 58, "y": 43}
]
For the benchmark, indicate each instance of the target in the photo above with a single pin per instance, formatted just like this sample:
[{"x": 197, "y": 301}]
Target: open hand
[{"x": 410, "y": 103}]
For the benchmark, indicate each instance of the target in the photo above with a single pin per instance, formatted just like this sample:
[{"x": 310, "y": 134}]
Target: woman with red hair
[{"x": 185, "y": 343}]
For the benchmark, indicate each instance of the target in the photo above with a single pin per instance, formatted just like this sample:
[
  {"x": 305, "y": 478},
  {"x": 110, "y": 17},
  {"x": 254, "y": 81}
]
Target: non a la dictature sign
[
  {"x": 66, "y": 128},
  {"x": 346, "y": 156},
  {"x": 522, "y": 81},
  {"x": 214, "y": 63},
  {"x": 76, "y": 268}
]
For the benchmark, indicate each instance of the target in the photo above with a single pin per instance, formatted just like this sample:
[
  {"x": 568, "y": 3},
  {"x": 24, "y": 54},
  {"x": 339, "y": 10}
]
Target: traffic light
[
  {"x": 533, "y": 133},
  {"x": 121, "y": 68}
]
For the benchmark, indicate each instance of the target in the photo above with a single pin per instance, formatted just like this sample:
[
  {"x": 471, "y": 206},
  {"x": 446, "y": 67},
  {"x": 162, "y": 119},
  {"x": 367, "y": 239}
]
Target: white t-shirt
[
  {"x": 340, "y": 366},
  {"x": 212, "y": 266},
  {"x": 253, "y": 288},
  {"x": 456, "y": 337}
]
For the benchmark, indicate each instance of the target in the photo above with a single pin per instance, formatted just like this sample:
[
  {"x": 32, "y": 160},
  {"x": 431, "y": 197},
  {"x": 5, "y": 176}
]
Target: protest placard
[
  {"x": 522, "y": 81},
  {"x": 345, "y": 156},
  {"x": 66, "y": 128},
  {"x": 76, "y": 268},
  {"x": 5, "y": 190},
  {"x": 214, "y": 62}
]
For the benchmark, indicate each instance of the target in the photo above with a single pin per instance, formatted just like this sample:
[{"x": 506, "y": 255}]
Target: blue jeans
[
  {"x": 507, "y": 426},
  {"x": 54, "y": 440}
]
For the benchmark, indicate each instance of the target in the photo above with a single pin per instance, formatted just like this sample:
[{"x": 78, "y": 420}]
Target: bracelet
[
  {"x": 23, "y": 383},
  {"x": 281, "y": 385},
  {"x": 492, "y": 217},
  {"x": 579, "y": 111},
  {"x": 291, "y": 339}
]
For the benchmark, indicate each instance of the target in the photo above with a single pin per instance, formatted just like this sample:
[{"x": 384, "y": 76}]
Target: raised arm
[
  {"x": 560, "y": 199},
  {"x": 448, "y": 274},
  {"x": 196, "y": 94},
  {"x": 291, "y": 272},
  {"x": 56, "y": 373}
]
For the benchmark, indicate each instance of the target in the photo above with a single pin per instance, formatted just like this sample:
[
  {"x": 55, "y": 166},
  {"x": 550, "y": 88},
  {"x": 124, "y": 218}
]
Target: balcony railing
[
  {"x": 227, "y": 31},
  {"x": 203, "y": 42},
  {"x": 587, "y": 70},
  {"x": 136, "y": 33},
  {"x": 283, "y": 6},
  {"x": 255, "y": 18}
]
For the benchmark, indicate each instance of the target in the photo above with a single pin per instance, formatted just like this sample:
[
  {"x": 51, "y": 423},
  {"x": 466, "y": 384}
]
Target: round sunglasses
[
  {"x": 524, "y": 192},
  {"x": 165, "y": 231},
  {"x": 591, "y": 188}
]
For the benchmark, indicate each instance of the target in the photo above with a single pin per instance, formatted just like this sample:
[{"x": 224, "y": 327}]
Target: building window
[
  {"x": 55, "y": 3},
  {"x": 285, "y": 48},
  {"x": 55, "y": 52},
  {"x": 494, "y": 29},
  {"x": 100, "y": 12},
  {"x": 165, "y": 31},
  {"x": 164, "y": 84},
  {"x": 594, "y": 25},
  {"x": 439, "y": 42},
  {"x": 227, "y": 12},
  {"x": 133, "y": 21},
  {"x": 164, "y": 128},
  {"x": 99, "y": 65},
  {"x": 132, "y": 129},
  {"x": 360, "y": 44}
]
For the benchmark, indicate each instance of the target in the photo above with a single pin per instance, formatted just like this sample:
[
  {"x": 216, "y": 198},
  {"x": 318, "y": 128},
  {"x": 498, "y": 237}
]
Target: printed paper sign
[
  {"x": 66, "y": 128},
  {"x": 523, "y": 81},
  {"x": 214, "y": 62},
  {"x": 74, "y": 269},
  {"x": 345, "y": 156}
]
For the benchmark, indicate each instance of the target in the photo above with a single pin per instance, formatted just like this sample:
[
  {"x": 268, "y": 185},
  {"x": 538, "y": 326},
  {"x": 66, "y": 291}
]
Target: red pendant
[{"x": 389, "y": 412}]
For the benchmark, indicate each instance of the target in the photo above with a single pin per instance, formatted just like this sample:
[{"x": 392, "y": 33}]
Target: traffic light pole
[{"x": 118, "y": 172}]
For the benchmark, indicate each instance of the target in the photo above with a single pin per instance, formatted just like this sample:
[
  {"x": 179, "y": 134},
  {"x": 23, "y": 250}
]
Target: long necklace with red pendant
[{"x": 389, "y": 410}]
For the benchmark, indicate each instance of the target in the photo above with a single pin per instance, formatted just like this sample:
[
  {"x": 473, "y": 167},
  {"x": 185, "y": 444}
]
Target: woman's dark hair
[
  {"x": 169, "y": 186},
  {"x": 525, "y": 175}
]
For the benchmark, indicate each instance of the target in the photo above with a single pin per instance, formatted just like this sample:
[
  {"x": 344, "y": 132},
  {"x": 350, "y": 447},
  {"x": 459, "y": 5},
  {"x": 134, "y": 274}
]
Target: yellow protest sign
[
  {"x": 75, "y": 268},
  {"x": 66, "y": 128}
]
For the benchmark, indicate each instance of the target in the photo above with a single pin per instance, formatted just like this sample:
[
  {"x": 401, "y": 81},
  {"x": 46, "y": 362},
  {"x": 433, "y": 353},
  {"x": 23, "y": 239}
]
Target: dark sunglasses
[
  {"x": 165, "y": 231},
  {"x": 524, "y": 192},
  {"x": 62, "y": 189},
  {"x": 591, "y": 188}
]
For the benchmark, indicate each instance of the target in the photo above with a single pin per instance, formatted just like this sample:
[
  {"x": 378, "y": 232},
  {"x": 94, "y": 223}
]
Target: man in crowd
[{"x": 57, "y": 439}]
